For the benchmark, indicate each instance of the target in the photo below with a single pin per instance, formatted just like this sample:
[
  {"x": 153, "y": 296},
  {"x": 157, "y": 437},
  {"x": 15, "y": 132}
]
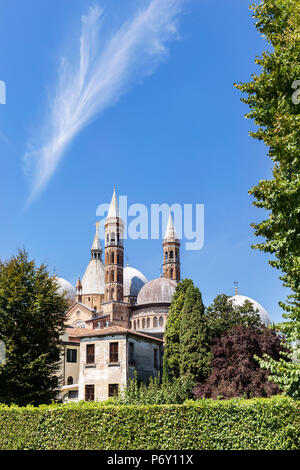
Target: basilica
[{"x": 116, "y": 318}]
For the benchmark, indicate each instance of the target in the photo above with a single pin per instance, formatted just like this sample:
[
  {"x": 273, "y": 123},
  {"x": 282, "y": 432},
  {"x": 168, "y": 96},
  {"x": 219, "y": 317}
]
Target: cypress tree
[
  {"x": 194, "y": 347},
  {"x": 31, "y": 320},
  {"x": 171, "y": 360}
]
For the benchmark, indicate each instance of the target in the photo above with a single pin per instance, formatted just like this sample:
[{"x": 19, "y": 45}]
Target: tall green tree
[
  {"x": 171, "y": 359},
  {"x": 194, "y": 346},
  {"x": 274, "y": 101},
  {"x": 31, "y": 320},
  {"x": 222, "y": 316}
]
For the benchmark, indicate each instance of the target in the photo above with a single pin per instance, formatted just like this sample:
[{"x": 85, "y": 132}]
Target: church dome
[
  {"x": 238, "y": 300},
  {"x": 93, "y": 278},
  {"x": 65, "y": 287},
  {"x": 133, "y": 281},
  {"x": 160, "y": 290}
]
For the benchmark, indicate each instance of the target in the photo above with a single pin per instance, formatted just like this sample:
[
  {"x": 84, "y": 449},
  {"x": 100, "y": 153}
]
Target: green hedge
[{"x": 261, "y": 423}]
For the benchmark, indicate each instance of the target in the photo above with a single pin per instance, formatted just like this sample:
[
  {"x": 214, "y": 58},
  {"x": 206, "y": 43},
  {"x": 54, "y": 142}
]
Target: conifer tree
[
  {"x": 171, "y": 359},
  {"x": 194, "y": 348},
  {"x": 31, "y": 320}
]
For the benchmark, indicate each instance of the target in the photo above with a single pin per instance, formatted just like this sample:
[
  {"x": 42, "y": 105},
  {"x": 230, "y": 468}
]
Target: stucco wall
[
  {"x": 102, "y": 373},
  {"x": 144, "y": 358}
]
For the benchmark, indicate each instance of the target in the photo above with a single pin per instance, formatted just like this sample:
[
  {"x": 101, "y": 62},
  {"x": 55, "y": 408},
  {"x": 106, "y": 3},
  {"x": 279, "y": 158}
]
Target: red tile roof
[{"x": 80, "y": 333}]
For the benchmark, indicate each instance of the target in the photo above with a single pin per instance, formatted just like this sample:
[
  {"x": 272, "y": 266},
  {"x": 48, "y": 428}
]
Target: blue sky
[{"x": 172, "y": 130}]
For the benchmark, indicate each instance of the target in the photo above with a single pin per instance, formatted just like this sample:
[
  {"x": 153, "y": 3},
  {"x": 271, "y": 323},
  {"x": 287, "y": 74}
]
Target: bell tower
[
  {"x": 171, "y": 252},
  {"x": 114, "y": 253}
]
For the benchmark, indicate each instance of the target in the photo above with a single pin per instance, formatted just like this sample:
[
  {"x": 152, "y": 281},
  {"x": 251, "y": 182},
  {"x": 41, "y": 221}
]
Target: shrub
[
  {"x": 155, "y": 393},
  {"x": 260, "y": 423}
]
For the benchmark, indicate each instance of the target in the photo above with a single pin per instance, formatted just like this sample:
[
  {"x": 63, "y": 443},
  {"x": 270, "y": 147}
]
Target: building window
[
  {"x": 113, "y": 352},
  {"x": 90, "y": 354},
  {"x": 89, "y": 392},
  {"x": 161, "y": 321},
  {"x": 148, "y": 322},
  {"x": 131, "y": 353},
  {"x": 73, "y": 394},
  {"x": 154, "y": 322},
  {"x": 70, "y": 380},
  {"x": 71, "y": 355},
  {"x": 113, "y": 390},
  {"x": 155, "y": 358},
  {"x": 79, "y": 324},
  {"x": 143, "y": 323}
]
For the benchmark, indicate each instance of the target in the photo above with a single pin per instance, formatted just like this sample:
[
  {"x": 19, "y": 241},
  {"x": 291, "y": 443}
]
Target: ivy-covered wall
[{"x": 261, "y": 423}]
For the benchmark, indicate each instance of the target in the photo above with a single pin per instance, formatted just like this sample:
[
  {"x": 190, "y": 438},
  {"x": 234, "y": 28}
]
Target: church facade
[{"x": 116, "y": 318}]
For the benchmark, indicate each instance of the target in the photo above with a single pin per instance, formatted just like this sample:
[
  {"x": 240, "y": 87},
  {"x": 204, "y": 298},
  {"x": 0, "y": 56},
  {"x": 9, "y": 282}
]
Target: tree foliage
[
  {"x": 222, "y": 316},
  {"x": 31, "y": 319},
  {"x": 194, "y": 347},
  {"x": 171, "y": 359},
  {"x": 236, "y": 373},
  {"x": 275, "y": 108}
]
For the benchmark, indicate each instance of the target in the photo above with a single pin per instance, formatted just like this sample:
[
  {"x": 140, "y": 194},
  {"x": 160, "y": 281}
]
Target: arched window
[
  {"x": 79, "y": 324},
  {"x": 112, "y": 258},
  {"x": 154, "y": 322},
  {"x": 166, "y": 255},
  {"x": 161, "y": 321},
  {"x": 171, "y": 254},
  {"x": 148, "y": 322},
  {"x": 171, "y": 273},
  {"x": 134, "y": 325},
  {"x": 138, "y": 323},
  {"x": 112, "y": 276},
  {"x": 143, "y": 323},
  {"x": 113, "y": 238},
  {"x": 112, "y": 294},
  {"x": 70, "y": 380}
]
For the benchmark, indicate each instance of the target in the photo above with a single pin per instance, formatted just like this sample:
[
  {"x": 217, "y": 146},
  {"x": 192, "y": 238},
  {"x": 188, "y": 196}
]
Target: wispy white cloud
[{"x": 107, "y": 66}]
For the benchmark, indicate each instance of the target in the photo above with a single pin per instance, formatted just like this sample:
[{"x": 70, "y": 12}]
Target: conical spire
[
  {"x": 170, "y": 230},
  {"x": 114, "y": 208},
  {"x": 96, "y": 246}
]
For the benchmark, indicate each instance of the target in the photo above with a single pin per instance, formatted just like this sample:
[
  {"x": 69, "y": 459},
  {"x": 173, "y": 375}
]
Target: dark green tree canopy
[
  {"x": 171, "y": 365},
  {"x": 194, "y": 347},
  {"x": 222, "y": 316},
  {"x": 31, "y": 320}
]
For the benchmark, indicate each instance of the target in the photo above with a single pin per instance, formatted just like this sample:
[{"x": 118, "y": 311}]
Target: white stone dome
[
  {"x": 238, "y": 300},
  {"x": 65, "y": 287},
  {"x": 93, "y": 278},
  {"x": 133, "y": 281},
  {"x": 160, "y": 290}
]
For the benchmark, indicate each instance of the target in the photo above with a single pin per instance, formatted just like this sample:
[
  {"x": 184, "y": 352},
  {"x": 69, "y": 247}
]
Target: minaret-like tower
[
  {"x": 171, "y": 252},
  {"x": 79, "y": 291},
  {"x": 114, "y": 253}
]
